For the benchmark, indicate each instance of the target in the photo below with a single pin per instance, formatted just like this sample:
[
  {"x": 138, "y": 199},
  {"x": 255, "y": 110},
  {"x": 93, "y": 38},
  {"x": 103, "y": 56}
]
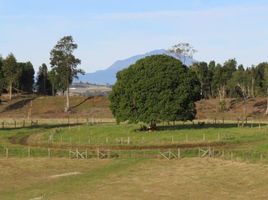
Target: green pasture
[{"x": 45, "y": 140}]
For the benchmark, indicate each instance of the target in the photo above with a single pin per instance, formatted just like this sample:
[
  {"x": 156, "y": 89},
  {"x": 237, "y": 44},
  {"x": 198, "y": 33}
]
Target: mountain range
[{"x": 108, "y": 76}]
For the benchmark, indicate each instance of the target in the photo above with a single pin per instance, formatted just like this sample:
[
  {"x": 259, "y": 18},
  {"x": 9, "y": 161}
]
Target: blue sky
[{"x": 108, "y": 30}]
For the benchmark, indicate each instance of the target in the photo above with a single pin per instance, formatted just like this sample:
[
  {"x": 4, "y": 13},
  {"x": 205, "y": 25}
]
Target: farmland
[{"x": 84, "y": 157}]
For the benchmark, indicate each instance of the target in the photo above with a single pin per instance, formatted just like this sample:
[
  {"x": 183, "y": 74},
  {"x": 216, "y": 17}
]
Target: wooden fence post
[
  {"x": 77, "y": 153},
  {"x": 179, "y": 153},
  {"x": 98, "y": 153},
  {"x": 48, "y": 152},
  {"x": 29, "y": 152},
  {"x": 6, "y": 152},
  {"x": 109, "y": 153}
]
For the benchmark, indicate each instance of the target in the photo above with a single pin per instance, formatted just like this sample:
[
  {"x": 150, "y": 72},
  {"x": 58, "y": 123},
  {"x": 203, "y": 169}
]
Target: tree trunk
[
  {"x": 252, "y": 87},
  {"x": 45, "y": 90},
  {"x": 53, "y": 90},
  {"x": 267, "y": 103},
  {"x": 10, "y": 91},
  {"x": 67, "y": 100},
  {"x": 152, "y": 126}
]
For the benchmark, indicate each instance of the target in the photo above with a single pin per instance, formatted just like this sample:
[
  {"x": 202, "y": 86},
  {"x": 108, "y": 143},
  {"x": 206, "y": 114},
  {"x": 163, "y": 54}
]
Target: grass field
[
  {"x": 243, "y": 174},
  {"x": 131, "y": 179}
]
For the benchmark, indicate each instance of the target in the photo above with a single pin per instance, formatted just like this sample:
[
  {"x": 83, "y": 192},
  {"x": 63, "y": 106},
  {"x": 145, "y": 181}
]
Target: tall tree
[
  {"x": 42, "y": 83},
  {"x": 26, "y": 78},
  {"x": 211, "y": 70},
  {"x": 156, "y": 88},
  {"x": 1, "y": 77},
  {"x": 65, "y": 64},
  {"x": 11, "y": 72},
  {"x": 204, "y": 76},
  {"x": 266, "y": 83},
  {"x": 53, "y": 78}
]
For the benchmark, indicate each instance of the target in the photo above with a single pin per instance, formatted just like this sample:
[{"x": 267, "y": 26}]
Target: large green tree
[
  {"x": 156, "y": 88},
  {"x": 65, "y": 63},
  {"x": 11, "y": 72}
]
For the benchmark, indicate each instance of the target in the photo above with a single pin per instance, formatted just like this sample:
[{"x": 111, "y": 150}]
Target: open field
[
  {"x": 85, "y": 156},
  {"x": 193, "y": 178}
]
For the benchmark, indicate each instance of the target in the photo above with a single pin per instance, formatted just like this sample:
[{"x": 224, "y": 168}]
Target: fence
[
  {"x": 168, "y": 154},
  {"x": 16, "y": 123}
]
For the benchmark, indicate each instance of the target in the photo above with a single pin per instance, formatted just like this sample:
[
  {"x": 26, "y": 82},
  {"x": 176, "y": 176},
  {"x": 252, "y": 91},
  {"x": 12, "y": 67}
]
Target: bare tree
[{"x": 183, "y": 50}]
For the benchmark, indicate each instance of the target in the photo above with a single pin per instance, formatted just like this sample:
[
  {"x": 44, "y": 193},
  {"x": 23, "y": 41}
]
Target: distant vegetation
[{"x": 227, "y": 80}]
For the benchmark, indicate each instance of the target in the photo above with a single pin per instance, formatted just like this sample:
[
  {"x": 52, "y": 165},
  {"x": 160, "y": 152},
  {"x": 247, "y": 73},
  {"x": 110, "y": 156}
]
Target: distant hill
[{"x": 108, "y": 76}]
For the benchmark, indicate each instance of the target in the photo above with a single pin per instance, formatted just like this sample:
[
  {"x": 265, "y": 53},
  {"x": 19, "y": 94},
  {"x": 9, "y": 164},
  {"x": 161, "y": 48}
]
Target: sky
[{"x": 110, "y": 30}]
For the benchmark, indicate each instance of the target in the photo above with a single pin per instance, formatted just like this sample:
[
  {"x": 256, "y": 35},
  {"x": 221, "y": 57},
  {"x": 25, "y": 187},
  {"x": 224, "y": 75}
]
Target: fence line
[{"x": 168, "y": 154}]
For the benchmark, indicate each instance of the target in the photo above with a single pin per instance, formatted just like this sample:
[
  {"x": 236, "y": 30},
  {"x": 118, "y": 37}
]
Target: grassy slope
[{"x": 52, "y": 107}]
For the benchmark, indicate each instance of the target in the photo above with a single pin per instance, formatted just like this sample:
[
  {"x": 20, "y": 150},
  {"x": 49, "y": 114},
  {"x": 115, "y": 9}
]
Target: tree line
[
  {"x": 19, "y": 77},
  {"x": 16, "y": 76},
  {"x": 217, "y": 80},
  {"x": 231, "y": 80}
]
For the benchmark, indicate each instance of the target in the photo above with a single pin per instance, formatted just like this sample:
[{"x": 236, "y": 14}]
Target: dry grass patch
[
  {"x": 129, "y": 179},
  {"x": 185, "y": 179},
  {"x": 19, "y": 174}
]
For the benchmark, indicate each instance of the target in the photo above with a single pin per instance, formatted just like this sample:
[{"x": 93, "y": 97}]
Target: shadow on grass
[
  {"x": 43, "y": 126},
  {"x": 202, "y": 126},
  {"x": 18, "y": 105}
]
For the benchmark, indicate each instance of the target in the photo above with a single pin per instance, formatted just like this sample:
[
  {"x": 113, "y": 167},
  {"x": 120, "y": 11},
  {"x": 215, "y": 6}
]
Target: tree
[
  {"x": 26, "y": 78},
  {"x": 53, "y": 78},
  {"x": 266, "y": 83},
  {"x": 43, "y": 85},
  {"x": 11, "y": 72},
  {"x": 156, "y": 88},
  {"x": 204, "y": 76},
  {"x": 65, "y": 64},
  {"x": 183, "y": 50},
  {"x": 1, "y": 77}
]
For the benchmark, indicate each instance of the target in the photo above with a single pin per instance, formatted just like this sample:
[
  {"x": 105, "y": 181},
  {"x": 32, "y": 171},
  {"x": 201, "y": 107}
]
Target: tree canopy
[
  {"x": 65, "y": 64},
  {"x": 156, "y": 88},
  {"x": 11, "y": 72}
]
